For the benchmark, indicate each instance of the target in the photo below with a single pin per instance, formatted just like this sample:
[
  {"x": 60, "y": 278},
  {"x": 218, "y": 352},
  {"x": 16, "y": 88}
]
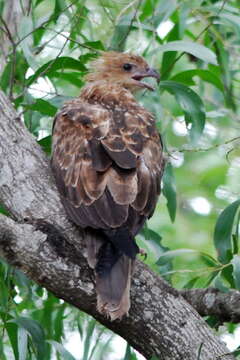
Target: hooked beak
[{"x": 138, "y": 76}]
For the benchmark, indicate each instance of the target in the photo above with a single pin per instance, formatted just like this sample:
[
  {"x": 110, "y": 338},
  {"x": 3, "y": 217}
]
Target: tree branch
[
  {"x": 211, "y": 301},
  {"x": 52, "y": 253}
]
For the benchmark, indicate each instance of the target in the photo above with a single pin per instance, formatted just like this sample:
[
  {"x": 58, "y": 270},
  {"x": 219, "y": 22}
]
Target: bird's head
[{"x": 125, "y": 69}]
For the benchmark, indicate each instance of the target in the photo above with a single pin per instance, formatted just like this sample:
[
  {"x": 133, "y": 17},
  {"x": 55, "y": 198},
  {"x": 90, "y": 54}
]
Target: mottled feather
[{"x": 107, "y": 160}]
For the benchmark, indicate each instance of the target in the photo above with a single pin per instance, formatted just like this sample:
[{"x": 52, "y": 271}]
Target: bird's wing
[{"x": 106, "y": 162}]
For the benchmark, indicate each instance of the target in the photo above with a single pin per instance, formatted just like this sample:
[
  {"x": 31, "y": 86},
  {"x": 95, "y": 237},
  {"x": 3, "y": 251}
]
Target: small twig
[
  {"x": 43, "y": 24},
  {"x": 108, "y": 14},
  {"x": 75, "y": 41},
  {"x": 14, "y": 58},
  {"x": 206, "y": 149},
  {"x": 130, "y": 25},
  {"x": 199, "y": 351},
  {"x": 227, "y": 354}
]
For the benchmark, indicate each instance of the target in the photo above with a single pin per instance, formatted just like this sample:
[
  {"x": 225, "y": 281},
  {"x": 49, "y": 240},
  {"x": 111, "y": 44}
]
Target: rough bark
[
  {"x": 211, "y": 301},
  {"x": 45, "y": 245},
  {"x": 13, "y": 11}
]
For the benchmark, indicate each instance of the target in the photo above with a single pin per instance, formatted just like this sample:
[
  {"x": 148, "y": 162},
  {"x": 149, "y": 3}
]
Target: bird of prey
[{"x": 107, "y": 160}]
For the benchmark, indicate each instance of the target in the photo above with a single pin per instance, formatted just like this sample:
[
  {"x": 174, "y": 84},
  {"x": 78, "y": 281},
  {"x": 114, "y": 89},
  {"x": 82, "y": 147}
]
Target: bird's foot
[{"x": 143, "y": 252}]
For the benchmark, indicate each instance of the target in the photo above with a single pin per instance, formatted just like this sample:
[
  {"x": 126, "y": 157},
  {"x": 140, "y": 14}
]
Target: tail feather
[
  {"x": 113, "y": 289},
  {"x": 113, "y": 269}
]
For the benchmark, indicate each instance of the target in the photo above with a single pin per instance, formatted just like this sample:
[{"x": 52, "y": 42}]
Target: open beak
[{"x": 138, "y": 76}]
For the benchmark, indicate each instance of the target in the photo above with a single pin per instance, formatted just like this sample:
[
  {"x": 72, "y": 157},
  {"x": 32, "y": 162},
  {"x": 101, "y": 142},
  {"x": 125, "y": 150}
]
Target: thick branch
[
  {"x": 160, "y": 322},
  {"x": 211, "y": 301}
]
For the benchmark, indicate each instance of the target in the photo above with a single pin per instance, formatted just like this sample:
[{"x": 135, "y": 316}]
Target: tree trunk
[
  {"x": 13, "y": 11},
  {"x": 40, "y": 241}
]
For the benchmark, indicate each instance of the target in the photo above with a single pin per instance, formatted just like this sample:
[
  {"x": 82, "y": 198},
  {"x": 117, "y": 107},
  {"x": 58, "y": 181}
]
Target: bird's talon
[{"x": 143, "y": 252}]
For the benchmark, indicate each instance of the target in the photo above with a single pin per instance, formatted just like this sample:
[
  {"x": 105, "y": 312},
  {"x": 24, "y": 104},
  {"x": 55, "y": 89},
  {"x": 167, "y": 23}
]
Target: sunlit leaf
[
  {"x": 191, "y": 105},
  {"x": 22, "y": 343},
  {"x": 223, "y": 232},
  {"x": 193, "y": 48}
]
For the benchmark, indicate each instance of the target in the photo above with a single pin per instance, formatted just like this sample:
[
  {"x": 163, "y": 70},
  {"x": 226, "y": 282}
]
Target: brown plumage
[{"x": 107, "y": 160}]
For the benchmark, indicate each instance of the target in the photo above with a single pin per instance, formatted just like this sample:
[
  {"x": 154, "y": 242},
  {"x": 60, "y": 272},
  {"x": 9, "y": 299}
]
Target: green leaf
[
  {"x": 66, "y": 355},
  {"x": 190, "y": 284},
  {"x": 58, "y": 322},
  {"x": 163, "y": 11},
  {"x": 22, "y": 343},
  {"x": 72, "y": 77},
  {"x": 169, "y": 56},
  {"x": 11, "y": 329},
  {"x": 88, "y": 337},
  {"x": 150, "y": 234},
  {"x": 191, "y": 105},
  {"x": 223, "y": 232},
  {"x": 226, "y": 73},
  {"x": 98, "y": 45},
  {"x": 60, "y": 5},
  {"x": 227, "y": 274},
  {"x": 5, "y": 76},
  {"x": 4, "y": 295},
  {"x": 220, "y": 284},
  {"x": 171, "y": 254},
  {"x": 36, "y": 332},
  {"x": 4, "y": 211},
  {"x": 129, "y": 354},
  {"x": 121, "y": 31},
  {"x": 44, "y": 107},
  {"x": 236, "y": 270},
  {"x": 195, "y": 49},
  {"x": 38, "y": 2},
  {"x": 51, "y": 66},
  {"x": 169, "y": 191},
  {"x": 186, "y": 77}
]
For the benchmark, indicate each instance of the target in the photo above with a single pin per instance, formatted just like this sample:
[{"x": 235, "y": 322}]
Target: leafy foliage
[{"x": 195, "y": 46}]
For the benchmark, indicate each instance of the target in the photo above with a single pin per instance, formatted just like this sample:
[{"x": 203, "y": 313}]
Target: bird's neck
[{"x": 107, "y": 93}]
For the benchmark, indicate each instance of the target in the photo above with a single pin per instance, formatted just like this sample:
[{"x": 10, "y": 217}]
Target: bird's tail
[{"x": 113, "y": 259}]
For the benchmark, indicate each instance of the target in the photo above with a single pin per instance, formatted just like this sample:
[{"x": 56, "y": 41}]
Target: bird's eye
[{"x": 127, "y": 67}]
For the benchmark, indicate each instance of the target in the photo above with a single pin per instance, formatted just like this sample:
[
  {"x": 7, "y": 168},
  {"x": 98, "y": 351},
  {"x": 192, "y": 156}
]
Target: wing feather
[{"x": 107, "y": 165}]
